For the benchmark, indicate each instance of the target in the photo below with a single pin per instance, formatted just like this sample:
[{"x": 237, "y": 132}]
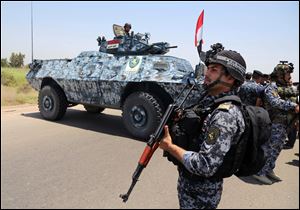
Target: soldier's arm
[{"x": 273, "y": 98}]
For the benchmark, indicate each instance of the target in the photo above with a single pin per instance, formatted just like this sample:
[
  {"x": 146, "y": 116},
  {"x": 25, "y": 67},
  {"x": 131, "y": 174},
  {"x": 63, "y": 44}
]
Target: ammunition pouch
[{"x": 184, "y": 133}]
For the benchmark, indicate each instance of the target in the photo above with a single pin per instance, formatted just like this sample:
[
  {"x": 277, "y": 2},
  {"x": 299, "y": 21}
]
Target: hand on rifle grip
[{"x": 178, "y": 115}]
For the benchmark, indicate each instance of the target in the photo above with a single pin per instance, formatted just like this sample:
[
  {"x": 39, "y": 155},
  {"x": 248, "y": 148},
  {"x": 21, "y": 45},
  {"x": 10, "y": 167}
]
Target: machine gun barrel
[{"x": 171, "y": 47}]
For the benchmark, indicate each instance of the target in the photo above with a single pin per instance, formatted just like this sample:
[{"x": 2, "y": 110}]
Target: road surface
[{"x": 87, "y": 160}]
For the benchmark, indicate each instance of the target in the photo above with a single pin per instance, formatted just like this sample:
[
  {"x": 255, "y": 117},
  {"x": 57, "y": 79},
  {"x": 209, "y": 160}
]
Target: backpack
[{"x": 246, "y": 157}]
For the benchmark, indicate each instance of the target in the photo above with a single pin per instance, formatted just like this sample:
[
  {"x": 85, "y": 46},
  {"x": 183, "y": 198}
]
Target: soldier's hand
[
  {"x": 297, "y": 109},
  {"x": 178, "y": 115},
  {"x": 166, "y": 140}
]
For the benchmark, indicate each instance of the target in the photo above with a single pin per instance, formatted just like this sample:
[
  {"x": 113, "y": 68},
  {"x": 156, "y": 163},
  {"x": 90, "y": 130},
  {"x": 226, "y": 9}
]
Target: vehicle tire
[
  {"x": 93, "y": 109},
  {"x": 142, "y": 113},
  {"x": 52, "y": 102}
]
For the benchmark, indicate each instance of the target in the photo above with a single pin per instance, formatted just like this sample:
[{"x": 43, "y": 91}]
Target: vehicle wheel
[
  {"x": 93, "y": 109},
  {"x": 52, "y": 102},
  {"x": 142, "y": 113}
]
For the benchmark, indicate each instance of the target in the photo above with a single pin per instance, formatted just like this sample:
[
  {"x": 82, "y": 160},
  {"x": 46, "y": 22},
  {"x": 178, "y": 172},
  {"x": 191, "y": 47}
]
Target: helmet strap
[
  {"x": 218, "y": 80},
  {"x": 225, "y": 83}
]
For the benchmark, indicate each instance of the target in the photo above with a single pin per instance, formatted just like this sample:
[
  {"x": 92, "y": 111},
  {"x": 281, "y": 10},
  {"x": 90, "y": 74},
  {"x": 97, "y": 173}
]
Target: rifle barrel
[{"x": 135, "y": 177}]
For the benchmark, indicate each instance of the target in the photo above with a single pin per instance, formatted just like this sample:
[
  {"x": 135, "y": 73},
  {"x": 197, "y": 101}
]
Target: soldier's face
[
  {"x": 287, "y": 77},
  {"x": 260, "y": 80},
  {"x": 212, "y": 73},
  {"x": 127, "y": 29},
  {"x": 216, "y": 72}
]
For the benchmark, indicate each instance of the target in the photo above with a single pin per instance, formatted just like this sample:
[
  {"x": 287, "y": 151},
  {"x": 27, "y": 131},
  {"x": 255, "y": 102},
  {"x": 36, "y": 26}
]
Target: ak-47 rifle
[{"x": 156, "y": 137}]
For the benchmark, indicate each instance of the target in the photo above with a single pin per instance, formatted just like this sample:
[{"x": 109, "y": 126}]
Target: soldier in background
[
  {"x": 127, "y": 28},
  {"x": 290, "y": 92},
  {"x": 278, "y": 110},
  {"x": 197, "y": 187},
  {"x": 266, "y": 79},
  {"x": 248, "y": 76},
  {"x": 252, "y": 91}
]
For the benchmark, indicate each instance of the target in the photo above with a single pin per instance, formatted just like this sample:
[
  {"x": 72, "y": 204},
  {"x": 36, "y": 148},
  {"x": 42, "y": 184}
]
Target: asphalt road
[{"x": 86, "y": 161}]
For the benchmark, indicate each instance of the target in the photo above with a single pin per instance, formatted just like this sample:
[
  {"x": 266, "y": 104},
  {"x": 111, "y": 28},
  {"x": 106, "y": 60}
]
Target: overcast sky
[{"x": 263, "y": 32}]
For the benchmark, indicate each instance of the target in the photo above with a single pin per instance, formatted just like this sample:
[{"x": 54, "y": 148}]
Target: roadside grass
[{"x": 15, "y": 89}]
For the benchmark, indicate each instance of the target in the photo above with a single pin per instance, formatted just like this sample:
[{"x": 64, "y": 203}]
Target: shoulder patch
[
  {"x": 275, "y": 93},
  {"x": 212, "y": 135},
  {"x": 225, "y": 106}
]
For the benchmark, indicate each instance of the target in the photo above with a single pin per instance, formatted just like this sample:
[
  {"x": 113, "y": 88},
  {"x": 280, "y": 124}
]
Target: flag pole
[
  {"x": 199, "y": 48},
  {"x": 31, "y": 32}
]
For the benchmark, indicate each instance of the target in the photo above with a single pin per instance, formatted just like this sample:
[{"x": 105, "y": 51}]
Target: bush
[
  {"x": 24, "y": 88},
  {"x": 8, "y": 79},
  {"x": 4, "y": 62},
  {"x": 17, "y": 60}
]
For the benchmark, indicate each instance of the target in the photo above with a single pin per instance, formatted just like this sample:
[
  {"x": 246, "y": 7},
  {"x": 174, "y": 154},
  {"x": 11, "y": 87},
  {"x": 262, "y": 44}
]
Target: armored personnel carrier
[{"x": 139, "y": 80}]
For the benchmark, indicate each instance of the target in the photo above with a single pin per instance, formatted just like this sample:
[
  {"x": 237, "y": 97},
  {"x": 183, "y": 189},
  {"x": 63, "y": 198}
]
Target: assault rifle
[{"x": 156, "y": 137}]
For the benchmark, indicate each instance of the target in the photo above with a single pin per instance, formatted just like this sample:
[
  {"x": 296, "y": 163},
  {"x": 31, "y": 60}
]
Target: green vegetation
[
  {"x": 16, "y": 60},
  {"x": 15, "y": 88}
]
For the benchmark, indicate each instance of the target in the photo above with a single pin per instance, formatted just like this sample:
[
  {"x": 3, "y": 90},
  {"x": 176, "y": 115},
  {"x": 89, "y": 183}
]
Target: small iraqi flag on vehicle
[
  {"x": 112, "y": 44},
  {"x": 199, "y": 30}
]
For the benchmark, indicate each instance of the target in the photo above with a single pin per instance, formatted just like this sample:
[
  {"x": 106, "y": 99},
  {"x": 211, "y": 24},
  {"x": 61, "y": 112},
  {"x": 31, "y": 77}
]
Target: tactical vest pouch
[
  {"x": 183, "y": 133},
  {"x": 190, "y": 123}
]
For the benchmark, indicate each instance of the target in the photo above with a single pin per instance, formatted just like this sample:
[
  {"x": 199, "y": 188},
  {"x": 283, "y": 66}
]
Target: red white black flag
[
  {"x": 112, "y": 44},
  {"x": 199, "y": 29}
]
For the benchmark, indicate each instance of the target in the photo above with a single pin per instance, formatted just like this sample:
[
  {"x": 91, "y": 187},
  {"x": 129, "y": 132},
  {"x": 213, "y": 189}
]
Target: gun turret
[{"x": 135, "y": 44}]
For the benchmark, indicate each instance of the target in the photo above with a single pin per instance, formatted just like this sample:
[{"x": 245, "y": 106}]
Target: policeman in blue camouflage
[
  {"x": 278, "y": 110},
  {"x": 197, "y": 187},
  {"x": 251, "y": 91}
]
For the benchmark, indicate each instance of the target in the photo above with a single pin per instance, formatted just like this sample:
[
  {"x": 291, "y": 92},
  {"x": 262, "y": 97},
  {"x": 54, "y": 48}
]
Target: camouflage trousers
[
  {"x": 204, "y": 194},
  {"x": 273, "y": 147}
]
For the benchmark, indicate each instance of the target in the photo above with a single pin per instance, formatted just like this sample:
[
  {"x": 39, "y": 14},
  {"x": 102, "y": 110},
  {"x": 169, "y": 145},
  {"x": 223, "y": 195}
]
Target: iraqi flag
[
  {"x": 112, "y": 44},
  {"x": 199, "y": 29}
]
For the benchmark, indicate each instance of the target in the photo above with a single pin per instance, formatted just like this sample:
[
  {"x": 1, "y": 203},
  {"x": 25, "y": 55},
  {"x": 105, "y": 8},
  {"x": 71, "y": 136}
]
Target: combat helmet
[
  {"x": 280, "y": 70},
  {"x": 232, "y": 61},
  {"x": 127, "y": 25}
]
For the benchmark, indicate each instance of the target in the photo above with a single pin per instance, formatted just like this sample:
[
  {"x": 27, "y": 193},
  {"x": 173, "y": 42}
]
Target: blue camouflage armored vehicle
[{"x": 142, "y": 85}]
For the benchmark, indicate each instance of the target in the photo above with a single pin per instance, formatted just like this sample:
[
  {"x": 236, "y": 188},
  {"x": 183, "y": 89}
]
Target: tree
[
  {"x": 4, "y": 62},
  {"x": 16, "y": 60}
]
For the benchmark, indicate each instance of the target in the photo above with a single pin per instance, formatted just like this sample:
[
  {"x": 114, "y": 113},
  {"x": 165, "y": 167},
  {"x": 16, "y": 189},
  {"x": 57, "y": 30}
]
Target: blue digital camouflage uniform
[
  {"x": 223, "y": 126},
  {"x": 250, "y": 91},
  {"x": 278, "y": 111}
]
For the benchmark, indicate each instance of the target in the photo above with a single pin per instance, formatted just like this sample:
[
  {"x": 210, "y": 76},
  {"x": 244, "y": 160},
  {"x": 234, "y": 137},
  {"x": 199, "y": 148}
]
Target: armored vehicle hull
[{"x": 140, "y": 86}]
